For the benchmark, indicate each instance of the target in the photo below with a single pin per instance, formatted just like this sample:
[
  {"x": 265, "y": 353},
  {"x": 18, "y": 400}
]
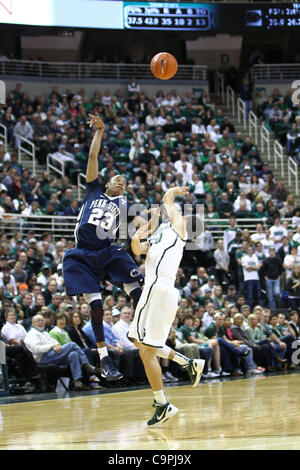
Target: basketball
[{"x": 163, "y": 66}]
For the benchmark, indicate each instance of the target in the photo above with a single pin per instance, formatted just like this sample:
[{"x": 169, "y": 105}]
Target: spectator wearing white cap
[
  {"x": 59, "y": 277},
  {"x": 193, "y": 282},
  {"x": 115, "y": 313}
]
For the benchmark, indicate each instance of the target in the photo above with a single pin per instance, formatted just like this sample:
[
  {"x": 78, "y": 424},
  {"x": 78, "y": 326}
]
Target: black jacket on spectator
[
  {"x": 47, "y": 296},
  {"x": 34, "y": 266},
  {"x": 27, "y": 311},
  {"x": 271, "y": 267},
  {"x": 224, "y": 206},
  {"x": 291, "y": 282},
  {"x": 281, "y": 253},
  {"x": 295, "y": 328},
  {"x": 76, "y": 338},
  {"x": 241, "y": 335},
  {"x": 71, "y": 212}
]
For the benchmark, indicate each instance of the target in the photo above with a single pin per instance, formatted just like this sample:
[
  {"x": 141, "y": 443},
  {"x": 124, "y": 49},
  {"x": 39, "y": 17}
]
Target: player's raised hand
[
  {"x": 155, "y": 212},
  {"x": 181, "y": 190},
  {"x": 97, "y": 121}
]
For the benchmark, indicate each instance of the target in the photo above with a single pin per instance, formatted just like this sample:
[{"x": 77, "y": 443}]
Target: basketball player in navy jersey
[{"x": 101, "y": 215}]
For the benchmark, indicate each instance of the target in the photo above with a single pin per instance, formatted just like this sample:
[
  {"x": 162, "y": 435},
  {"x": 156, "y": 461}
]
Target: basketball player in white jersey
[{"x": 158, "y": 303}]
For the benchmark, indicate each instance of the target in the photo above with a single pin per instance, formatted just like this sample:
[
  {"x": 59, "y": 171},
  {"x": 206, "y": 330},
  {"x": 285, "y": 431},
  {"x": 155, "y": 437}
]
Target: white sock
[
  {"x": 164, "y": 352},
  {"x": 181, "y": 359},
  {"x": 160, "y": 397},
  {"x": 102, "y": 352}
]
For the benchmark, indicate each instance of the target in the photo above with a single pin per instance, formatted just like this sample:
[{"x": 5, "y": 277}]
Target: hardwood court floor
[{"x": 255, "y": 413}]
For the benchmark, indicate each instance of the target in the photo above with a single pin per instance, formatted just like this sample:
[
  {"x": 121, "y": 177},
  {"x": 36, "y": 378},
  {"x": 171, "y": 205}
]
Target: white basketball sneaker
[
  {"x": 162, "y": 414},
  {"x": 194, "y": 368}
]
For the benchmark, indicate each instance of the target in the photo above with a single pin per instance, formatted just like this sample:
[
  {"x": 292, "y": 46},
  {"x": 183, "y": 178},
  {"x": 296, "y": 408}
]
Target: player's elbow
[
  {"x": 93, "y": 156},
  {"x": 135, "y": 248}
]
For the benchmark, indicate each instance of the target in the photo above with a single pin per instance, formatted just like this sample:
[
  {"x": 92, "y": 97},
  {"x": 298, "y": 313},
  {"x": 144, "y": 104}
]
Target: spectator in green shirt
[
  {"x": 253, "y": 330},
  {"x": 58, "y": 332},
  {"x": 225, "y": 140},
  {"x": 288, "y": 339},
  {"x": 62, "y": 337},
  {"x": 191, "y": 335},
  {"x": 256, "y": 333},
  {"x": 238, "y": 258},
  {"x": 283, "y": 325}
]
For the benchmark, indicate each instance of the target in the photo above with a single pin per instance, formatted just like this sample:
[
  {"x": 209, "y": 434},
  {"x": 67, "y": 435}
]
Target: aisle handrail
[
  {"x": 293, "y": 171},
  {"x": 279, "y": 155},
  {"x": 253, "y": 126},
  {"x": 230, "y": 99},
  {"x": 265, "y": 140},
  {"x": 27, "y": 147},
  {"x": 58, "y": 167},
  {"x": 241, "y": 112}
]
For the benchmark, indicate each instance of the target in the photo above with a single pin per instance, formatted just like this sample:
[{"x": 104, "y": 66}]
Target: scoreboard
[
  {"x": 211, "y": 17},
  {"x": 169, "y": 16}
]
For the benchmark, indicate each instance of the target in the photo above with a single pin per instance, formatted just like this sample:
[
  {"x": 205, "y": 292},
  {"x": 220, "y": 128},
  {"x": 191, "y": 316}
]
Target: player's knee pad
[
  {"x": 129, "y": 288},
  {"x": 89, "y": 298}
]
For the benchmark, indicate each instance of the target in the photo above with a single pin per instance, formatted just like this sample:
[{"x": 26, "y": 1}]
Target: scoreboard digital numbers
[
  {"x": 211, "y": 17},
  {"x": 283, "y": 17},
  {"x": 168, "y": 16}
]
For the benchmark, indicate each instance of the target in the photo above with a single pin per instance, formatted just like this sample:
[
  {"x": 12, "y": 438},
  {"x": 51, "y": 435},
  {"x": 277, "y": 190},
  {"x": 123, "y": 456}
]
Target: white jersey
[
  {"x": 164, "y": 254},
  {"x": 156, "y": 309}
]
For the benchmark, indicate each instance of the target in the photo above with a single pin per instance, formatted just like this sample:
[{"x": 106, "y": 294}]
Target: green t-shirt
[
  {"x": 284, "y": 330},
  {"x": 211, "y": 331},
  {"x": 62, "y": 337},
  {"x": 187, "y": 332},
  {"x": 224, "y": 142},
  {"x": 52, "y": 307},
  {"x": 276, "y": 332}
]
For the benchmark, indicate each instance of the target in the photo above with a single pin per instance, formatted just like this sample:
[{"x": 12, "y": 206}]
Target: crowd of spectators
[
  {"x": 156, "y": 142},
  {"x": 282, "y": 116}
]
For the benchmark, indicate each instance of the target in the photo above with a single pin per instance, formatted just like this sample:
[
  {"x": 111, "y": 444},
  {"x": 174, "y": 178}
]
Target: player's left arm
[
  {"x": 138, "y": 247},
  {"x": 176, "y": 218},
  {"x": 92, "y": 166}
]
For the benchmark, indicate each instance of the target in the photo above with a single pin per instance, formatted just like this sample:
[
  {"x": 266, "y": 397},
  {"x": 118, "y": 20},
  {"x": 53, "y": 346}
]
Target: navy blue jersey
[{"x": 99, "y": 218}]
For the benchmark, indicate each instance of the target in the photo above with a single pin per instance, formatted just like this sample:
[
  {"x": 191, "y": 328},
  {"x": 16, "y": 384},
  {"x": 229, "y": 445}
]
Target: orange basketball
[{"x": 163, "y": 65}]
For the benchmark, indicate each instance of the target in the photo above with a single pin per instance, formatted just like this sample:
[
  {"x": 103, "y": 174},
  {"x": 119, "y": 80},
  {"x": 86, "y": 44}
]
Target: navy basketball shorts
[{"x": 84, "y": 269}]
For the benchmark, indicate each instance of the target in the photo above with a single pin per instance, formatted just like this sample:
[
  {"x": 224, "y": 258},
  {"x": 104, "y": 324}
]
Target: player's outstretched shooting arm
[
  {"x": 177, "y": 220},
  {"x": 138, "y": 247},
  {"x": 92, "y": 167}
]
